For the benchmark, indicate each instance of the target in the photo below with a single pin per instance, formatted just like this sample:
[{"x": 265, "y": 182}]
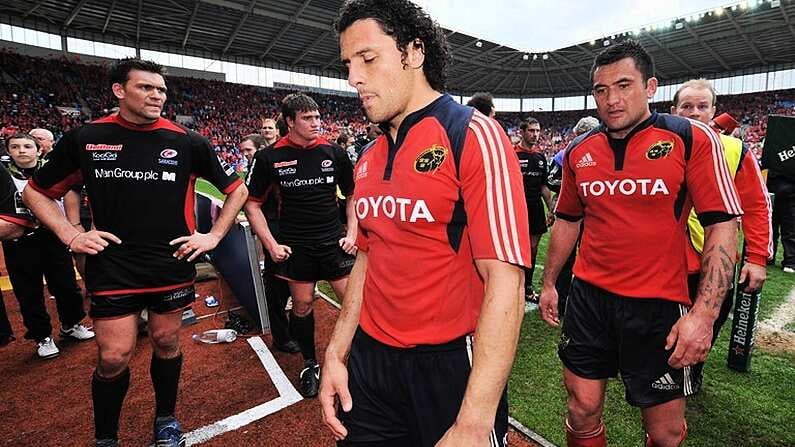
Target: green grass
[
  {"x": 752, "y": 409},
  {"x": 733, "y": 409}
]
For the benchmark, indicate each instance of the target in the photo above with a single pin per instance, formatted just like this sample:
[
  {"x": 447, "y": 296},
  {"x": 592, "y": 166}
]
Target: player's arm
[
  {"x": 717, "y": 206},
  {"x": 207, "y": 165},
  {"x": 259, "y": 185},
  {"x": 71, "y": 205},
  {"x": 51, "y": 182},
  {"x": 569, "y": 213},
  {"x": 499, "y": 257},
  {"x": 10, "y": 230},
  {"x": 334, "y": 380},
  {"x": 756, "y": 222},
  {"x": 348, "y": 243}
]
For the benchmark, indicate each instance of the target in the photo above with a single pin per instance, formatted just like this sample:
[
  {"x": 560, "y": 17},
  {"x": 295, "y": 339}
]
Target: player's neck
[
  {"x": 422, "y": 96},
  {"x": 523, "y": 146},
  {"x": 300, "y": 141},
  {"x": 133, "y": 118}
]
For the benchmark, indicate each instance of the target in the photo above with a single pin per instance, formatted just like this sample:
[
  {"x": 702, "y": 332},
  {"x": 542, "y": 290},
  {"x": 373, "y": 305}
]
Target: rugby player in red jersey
[{"x": 632, "y": 183}]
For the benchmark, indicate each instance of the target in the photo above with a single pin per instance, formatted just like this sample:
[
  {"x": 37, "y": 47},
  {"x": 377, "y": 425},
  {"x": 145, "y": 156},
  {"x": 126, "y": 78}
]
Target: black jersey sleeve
[
  {"x": 209, "y": 166},
  {"x": 259, "y": 177},
  {"x": 345, "y": 171},
  {"x": 8, "y": 201},
  {"x": 62, "y": 170}
]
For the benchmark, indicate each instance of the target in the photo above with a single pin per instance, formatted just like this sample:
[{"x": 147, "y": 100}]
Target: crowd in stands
[{"x": 59, "y": 94}]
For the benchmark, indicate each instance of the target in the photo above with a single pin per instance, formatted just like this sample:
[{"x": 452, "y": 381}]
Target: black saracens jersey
[
  {"x": 305, "y": 181},
  {"x": 140, "y": 183},
  {"x": 534, "y": 172}
]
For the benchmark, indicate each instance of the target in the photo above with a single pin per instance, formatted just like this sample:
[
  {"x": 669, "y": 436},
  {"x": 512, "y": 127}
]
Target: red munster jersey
[
  {"x": 447, "y": 192},
  {"x": 634, "y": 196}
]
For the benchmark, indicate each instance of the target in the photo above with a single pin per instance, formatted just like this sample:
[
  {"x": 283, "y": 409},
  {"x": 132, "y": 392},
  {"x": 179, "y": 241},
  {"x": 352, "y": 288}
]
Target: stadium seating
[{"x": 32, "y": 89}]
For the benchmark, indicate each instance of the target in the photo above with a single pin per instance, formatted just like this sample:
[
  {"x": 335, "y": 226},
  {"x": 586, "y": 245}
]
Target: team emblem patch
[
  {"x": 168, "y": 153},
  {"x": 430, "y": 159},
  {"x": 660, "y": 149}
]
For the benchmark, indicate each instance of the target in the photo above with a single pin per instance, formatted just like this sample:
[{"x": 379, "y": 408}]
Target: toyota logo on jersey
[
  {"x": 627, "y": 187},
  {"x": 403, "y": 209}
]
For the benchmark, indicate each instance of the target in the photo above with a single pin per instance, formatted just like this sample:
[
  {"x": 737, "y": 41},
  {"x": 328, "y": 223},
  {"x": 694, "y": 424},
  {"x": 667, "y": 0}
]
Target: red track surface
[{"x": 48, "y": 402}]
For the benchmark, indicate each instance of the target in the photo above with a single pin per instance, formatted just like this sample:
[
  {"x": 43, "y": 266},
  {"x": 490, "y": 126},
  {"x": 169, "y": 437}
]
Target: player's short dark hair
[
  {"x": 281, "y": 124},
  {"x": 120, "y": 71},
  {"x": 297, "y": 103},
  {"x": 483, "y": 102},
  {"x": 628, "y": 48},
  {"x": 21, "y": 136},
  {"x": 527, "y": 122},
  {"x": 405, "y": 22},
  {"x": 257, "y": 139}
]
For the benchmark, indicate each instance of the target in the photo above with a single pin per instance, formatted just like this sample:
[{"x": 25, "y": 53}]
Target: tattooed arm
[{"x": 692, "y": 334}]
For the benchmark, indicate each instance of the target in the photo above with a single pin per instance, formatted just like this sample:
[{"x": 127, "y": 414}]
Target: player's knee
[
  {"x": 165, "y": 341},
  {"x": 666, "y": 435},
  {"x": 112, "y": 362},
  {"x": 302, "y": 308},
  {"x": 584, "y": 413}
]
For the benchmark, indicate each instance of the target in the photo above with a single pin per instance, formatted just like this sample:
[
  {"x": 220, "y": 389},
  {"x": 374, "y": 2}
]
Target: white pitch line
[
  {"x": 288, "y": 395},
  {"x": 784, "y": 314}
]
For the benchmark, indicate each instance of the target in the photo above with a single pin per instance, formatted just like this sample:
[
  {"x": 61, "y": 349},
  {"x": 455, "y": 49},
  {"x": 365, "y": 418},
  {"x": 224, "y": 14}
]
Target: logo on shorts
[
  {"x": 564, "y": 341},
  {"x": 665, "y": 383},
  {"x": 660, "y": 149},
  {"x": 430, "y": 159},
  {"x": 168, "y": 153},
  {"x": 586, "y": 161}
]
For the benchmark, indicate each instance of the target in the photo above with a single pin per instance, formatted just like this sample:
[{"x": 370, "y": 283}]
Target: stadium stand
[{"x": 224, "y": 112}]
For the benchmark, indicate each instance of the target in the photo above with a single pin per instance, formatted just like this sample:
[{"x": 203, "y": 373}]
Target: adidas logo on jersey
[
  {"x": 665, "y": 383},
  {"x": 586, "y": 161}
]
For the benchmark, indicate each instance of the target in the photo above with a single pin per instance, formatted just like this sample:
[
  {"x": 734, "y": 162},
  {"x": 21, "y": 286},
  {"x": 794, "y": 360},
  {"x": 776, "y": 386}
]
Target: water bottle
[{"x": 214, "y": 336}]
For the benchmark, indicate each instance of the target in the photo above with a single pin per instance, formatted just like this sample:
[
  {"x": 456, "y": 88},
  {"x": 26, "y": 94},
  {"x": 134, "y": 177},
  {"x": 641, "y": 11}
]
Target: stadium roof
[{"x": 298, "y": 35}]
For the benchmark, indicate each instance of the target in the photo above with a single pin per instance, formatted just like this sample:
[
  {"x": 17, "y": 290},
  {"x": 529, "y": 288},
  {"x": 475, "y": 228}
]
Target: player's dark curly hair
[
  {"x": 405, "y": 22},
  {"x": 628, "y": 48},
  {"x": 297, "y": 103},
  {"x": 120, "y": 71},
  {"x": 483, "y": 101}
]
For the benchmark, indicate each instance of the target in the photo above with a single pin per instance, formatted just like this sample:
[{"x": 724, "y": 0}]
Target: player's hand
[
  {"x": 92, "y": 242},
  {"x": 458, "y": 435},
  {"x": 280, "y": 253},
  {"x": 197, "y": 244},
  {"x": 348, "y": 245},
  {"x": 333, "y": 386},
  {"x": 548, "y": 306},
  {"x": 754, "y": 276},
  {"x": 692, "y": 337}
]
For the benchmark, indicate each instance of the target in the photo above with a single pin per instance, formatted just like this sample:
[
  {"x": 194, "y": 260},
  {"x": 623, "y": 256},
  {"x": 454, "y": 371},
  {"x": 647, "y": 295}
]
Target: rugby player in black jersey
[
  {"x": 139, "y": 171},
  {"x": 304, "y": 170}
]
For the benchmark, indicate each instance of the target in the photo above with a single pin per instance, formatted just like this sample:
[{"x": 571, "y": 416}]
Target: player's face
[
  {"x": 141, "y": 98},
  {"x": 622, "y": 99},
  {"x": 531, "y": 134},
  {"x": 23, "y": 151},
  {"x": 248, "y": 149},
  {"x": 376, "y": 69},
  {"x": 44, "y": 140},
  {"x": 305, "y": 127},
  {"x": 268, "y": 130},
  {"x": 695, "y": 103}
]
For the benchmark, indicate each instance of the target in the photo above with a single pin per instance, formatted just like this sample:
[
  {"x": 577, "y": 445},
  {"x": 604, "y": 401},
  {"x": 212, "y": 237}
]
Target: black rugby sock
[
  {"x": 108, "y": 396},
  {"x": 303, "y": 331},
  {"x": 165, "y": 380}
]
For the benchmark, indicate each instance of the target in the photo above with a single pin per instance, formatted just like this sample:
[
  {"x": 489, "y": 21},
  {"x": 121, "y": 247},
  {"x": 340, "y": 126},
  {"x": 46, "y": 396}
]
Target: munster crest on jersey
[
  {"x": 660, "y": 149},
  {"x": 430, "y": 159}
]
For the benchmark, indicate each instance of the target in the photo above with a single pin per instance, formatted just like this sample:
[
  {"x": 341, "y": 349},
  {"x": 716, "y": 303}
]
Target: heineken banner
[{"x": 779, "y": 150}]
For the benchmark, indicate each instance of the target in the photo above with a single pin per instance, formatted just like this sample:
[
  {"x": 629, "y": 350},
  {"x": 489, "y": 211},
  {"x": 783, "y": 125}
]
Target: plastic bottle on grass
[{"x": 216, "y": 336}]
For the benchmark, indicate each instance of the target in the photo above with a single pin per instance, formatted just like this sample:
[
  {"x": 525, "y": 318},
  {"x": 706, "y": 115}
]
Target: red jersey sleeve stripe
[
  {"x": 498, "y": 185},
  {"x": 730, "y": 200},
  {"x": 489, "y": 190},
  {"x": 500, "y": 137}
]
